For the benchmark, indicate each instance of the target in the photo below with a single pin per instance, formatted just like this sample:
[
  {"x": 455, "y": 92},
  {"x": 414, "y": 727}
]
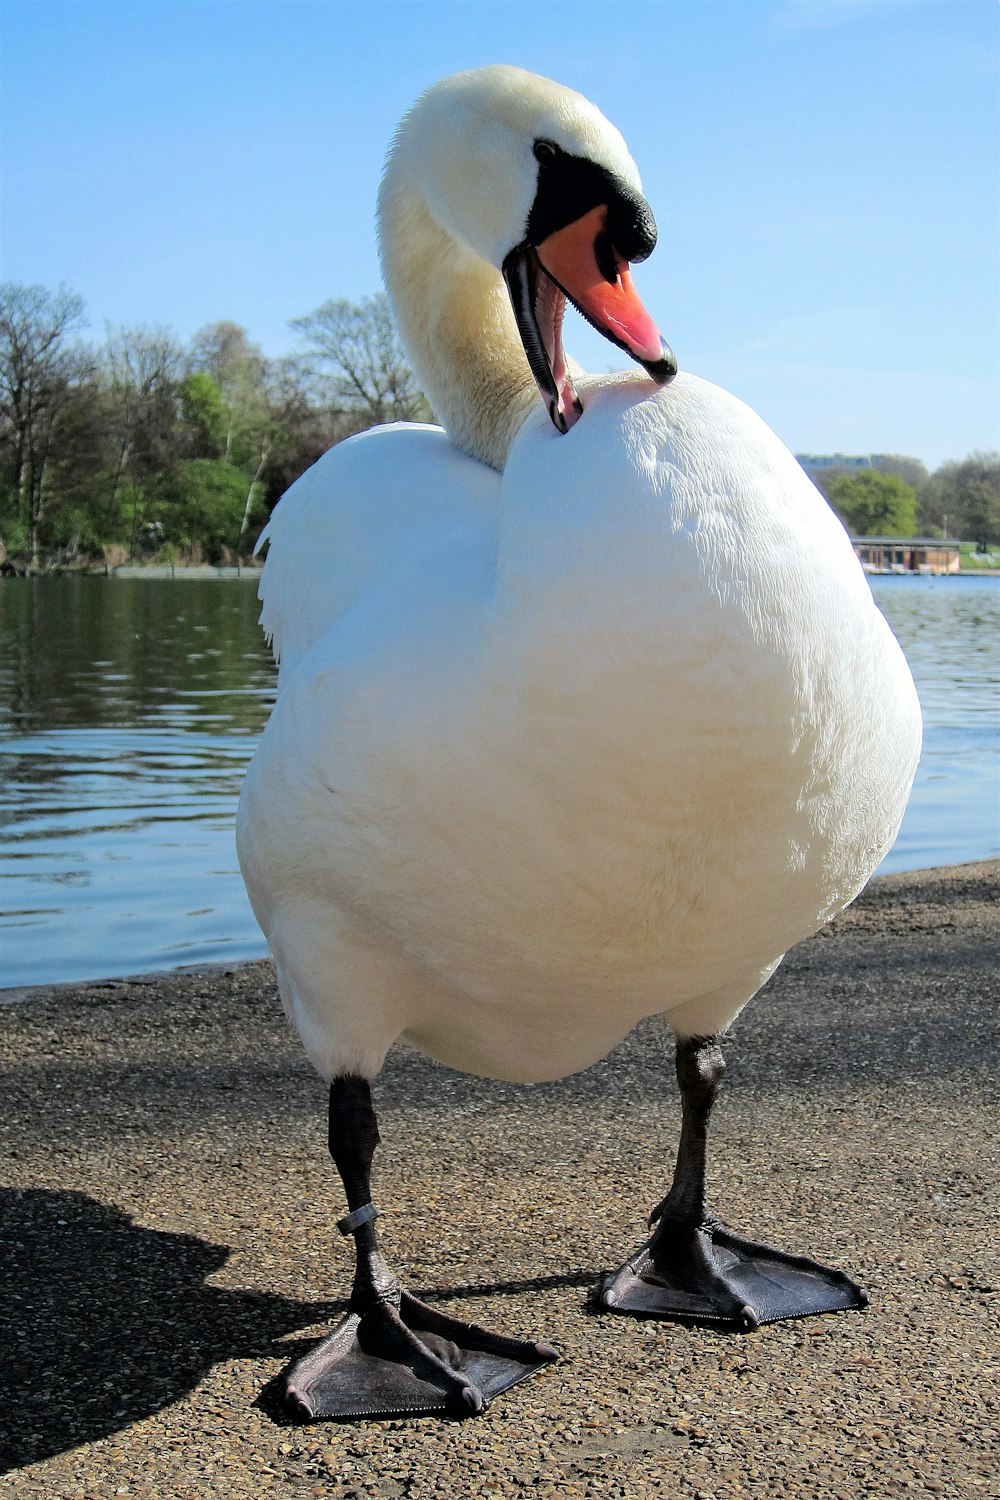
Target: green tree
[
  {"x": 81, "y": 514},
  {"x": 915, "y": 473},
  {"x": 968, "y": 495},
  {"x": 206, "y": 415},
  {"x": 207, "y": 505},
  {"x": 874, "y": 504},
  {"x": 247, "y": 418},
  {"x": 224, "y": 352}
]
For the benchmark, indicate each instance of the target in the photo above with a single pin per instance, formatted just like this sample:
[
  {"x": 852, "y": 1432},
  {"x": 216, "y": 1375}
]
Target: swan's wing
[{"x": 353, "y": 518}]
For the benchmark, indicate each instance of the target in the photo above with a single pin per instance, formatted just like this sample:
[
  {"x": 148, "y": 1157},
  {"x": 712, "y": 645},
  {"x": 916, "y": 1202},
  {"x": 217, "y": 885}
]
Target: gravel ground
[{"x": 169, "y": 1241}]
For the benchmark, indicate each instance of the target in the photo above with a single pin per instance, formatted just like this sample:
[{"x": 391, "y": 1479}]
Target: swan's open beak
[
  {"x": 584, "y": 264},
  {"x": 580, "y": 262},
  {"x": 539, "y": 305}
]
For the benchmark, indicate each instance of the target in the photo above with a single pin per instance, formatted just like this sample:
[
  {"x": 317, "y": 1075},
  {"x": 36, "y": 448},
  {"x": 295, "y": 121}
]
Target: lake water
[{"x": 129, "y": 709}]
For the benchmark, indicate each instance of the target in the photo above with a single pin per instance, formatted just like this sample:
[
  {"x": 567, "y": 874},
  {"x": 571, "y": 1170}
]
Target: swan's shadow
[{"x": 110, "y": 1321}]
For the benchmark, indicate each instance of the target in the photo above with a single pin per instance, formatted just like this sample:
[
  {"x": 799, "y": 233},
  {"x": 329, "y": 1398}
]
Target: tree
[
  {"x": 248, "y": 407},
  {"x": 306, "y": 430},
  {"x": 912, "y": 470},
  {"x": 358, "y": 362},
  {"x": 79, "y": 515},
  {"x": 873, "y": 504},
  {"x": 210, "y": 495},
  {"x": 968, "y": 494},
  {"x": 206, "y": 415},
  {"x": 141, "y": 367},
  {"x": 224, "y": 352},
  {"x": 38, "y": 371}
]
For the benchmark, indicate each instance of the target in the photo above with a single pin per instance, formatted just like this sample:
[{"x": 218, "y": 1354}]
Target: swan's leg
[
  {"x": 392, "y": 1354},
  {"x": 691, "y": 1267}
]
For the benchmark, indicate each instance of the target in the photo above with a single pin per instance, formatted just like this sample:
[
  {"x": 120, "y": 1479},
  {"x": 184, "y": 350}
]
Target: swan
[{"x": 585, "y": 713}]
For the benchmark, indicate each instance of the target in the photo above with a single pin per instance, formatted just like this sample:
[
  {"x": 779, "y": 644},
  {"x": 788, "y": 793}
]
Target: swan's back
[{"x": 373, "y": 505}]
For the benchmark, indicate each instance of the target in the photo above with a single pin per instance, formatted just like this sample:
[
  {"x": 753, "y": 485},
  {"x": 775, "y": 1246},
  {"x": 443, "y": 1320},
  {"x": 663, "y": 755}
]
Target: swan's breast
[
  {"x": 661, "y": 735},
  {"x": 676, "y": 582},
  {"x": 675, "y": 737}
]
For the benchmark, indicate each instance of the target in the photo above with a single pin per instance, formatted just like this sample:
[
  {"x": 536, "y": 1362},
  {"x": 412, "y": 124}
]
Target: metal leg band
[{"x": 364, "y": 1215}]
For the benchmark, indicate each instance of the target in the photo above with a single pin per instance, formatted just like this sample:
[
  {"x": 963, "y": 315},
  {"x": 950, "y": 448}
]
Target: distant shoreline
[
  {"x": 179, "y": 570},
  {"x": 147, "y": 570},
  {"x": 253, "y": 568},
  {"x": 962, "y": 573}
]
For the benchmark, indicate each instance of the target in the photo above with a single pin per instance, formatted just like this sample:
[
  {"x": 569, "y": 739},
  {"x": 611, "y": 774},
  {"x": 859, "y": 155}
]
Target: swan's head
[{"x": 531, "y": 177}]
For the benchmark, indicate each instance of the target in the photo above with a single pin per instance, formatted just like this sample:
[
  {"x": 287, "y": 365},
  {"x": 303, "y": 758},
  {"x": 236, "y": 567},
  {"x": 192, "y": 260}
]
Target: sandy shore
[{"x": 169, "y": 1244}]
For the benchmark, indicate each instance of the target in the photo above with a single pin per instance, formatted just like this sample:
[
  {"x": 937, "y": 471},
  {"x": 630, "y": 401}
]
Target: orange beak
[{"x": 582, "y": 261}]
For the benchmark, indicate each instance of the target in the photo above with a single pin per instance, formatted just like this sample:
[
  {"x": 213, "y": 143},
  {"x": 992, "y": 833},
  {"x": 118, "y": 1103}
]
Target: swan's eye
[{"x": 545, "y": 152}]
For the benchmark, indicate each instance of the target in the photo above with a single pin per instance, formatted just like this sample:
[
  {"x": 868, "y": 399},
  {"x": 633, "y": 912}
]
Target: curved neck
[{"x": 456, "y": 323}]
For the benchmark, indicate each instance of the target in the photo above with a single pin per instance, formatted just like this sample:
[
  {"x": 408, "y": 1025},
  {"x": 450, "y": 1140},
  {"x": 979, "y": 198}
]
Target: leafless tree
[
  {"x": 354, "y": 353},
  {"x": 38, "y": 369},
  {"x": 305, "y": 430}
]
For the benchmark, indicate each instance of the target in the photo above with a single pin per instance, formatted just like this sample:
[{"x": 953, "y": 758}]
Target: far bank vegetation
[{"x": 142, "y": 448}]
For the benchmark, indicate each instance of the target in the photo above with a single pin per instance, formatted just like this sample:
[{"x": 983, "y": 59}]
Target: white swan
[{"x": 579, "y": 719}]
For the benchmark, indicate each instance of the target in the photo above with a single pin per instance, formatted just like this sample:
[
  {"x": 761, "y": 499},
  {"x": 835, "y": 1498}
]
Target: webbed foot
[
  {"x": 706, "y": 1274},
  {"x": 392, "y": 1355},
  {"x": 402, "y": 1357}
]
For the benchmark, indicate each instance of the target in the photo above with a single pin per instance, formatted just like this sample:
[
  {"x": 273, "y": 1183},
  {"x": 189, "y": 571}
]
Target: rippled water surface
[
  {"x": 950, "y": 631},
  {"x": 130, "y": 707}
]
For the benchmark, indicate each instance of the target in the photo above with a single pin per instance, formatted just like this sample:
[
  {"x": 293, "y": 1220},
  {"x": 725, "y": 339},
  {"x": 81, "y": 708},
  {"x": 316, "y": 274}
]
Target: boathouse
[{"x": 906, "y": 554}]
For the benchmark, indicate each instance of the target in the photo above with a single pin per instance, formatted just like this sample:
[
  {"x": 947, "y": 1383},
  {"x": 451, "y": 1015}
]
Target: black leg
[
  {"x": 691, "y": 1267},
  {"x": 392, "y": 1354}
]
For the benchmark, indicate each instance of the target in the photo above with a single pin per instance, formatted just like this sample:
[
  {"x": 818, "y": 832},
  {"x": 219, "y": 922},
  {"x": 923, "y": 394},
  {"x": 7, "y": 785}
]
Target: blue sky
[{"x": 824, "y": 174}]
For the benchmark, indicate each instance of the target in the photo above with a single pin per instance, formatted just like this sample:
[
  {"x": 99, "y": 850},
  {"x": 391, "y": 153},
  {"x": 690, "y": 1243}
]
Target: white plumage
[
  {"x": 579, "y": 719},
  {"x": 558, "y": 749}
]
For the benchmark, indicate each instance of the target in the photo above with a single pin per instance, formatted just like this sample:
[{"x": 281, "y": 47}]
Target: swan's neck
[{"x": 455, "y": 320}]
